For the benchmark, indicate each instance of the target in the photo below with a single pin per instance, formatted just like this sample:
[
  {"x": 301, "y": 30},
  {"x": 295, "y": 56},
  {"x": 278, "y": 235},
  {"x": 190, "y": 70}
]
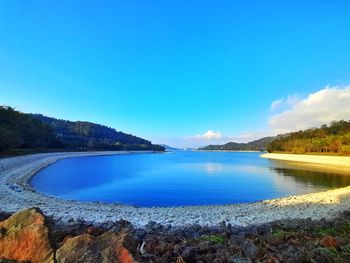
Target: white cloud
[
  {"x": 275, "y": 104},
  {"x": 284, "y": 102},
  {"x": 248, "y": 136},
  {"x": 321, "y": 107},
  {"x": 209, "y": 135}
]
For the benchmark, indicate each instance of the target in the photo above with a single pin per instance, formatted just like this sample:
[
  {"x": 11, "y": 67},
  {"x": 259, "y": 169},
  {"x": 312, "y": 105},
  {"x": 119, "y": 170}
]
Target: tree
[{"x": 328, "y": 139}]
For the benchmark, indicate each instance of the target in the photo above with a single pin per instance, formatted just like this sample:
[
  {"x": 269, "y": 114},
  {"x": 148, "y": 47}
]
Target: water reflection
[
  {"x": 212, "y": 168},
  {"x": 306, "y": 175},
  {"x": 221, "y": 168}
]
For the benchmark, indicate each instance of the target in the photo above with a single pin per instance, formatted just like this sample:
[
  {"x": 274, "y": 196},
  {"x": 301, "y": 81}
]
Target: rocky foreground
[{"x": 30, "y": 236}]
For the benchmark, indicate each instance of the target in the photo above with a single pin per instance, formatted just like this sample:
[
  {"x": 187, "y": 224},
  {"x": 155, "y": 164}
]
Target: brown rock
[
  {"x": 189, "y": 254},
  {"x": 270, "y": 260},
  {"x": 3, "y": 260},
  {"x": 24, "y": 236},
  {"x": 109, "y": 247},
  {"x": 66, "y": 238},
  {"x": 91, "y": 231},
  {"x": 330, "y": 242}
]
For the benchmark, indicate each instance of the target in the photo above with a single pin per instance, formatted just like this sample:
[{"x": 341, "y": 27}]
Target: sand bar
[{"x": 16, "y": 193}]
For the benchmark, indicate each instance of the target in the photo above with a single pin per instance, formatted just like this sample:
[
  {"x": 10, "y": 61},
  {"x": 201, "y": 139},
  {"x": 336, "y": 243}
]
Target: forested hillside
[
  {"x": 257, "y": 145},
  {"x": 334, "y": 138},
  {"x": 80, "y": 134},
  {"x": 18, "y": 130},
  {"x": 30, "y": 131}
]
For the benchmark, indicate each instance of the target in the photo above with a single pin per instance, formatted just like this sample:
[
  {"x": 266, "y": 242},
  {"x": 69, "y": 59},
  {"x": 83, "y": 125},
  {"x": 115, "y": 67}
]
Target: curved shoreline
[{"x": 16, "y": 193}]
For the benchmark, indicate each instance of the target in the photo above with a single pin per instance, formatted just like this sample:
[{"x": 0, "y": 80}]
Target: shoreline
[
  {"x": 16, "y": 194},
  {"x": 339, "y": 164}
]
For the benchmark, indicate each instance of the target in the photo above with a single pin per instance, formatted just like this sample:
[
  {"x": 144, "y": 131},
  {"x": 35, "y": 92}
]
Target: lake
[{"x": 181, "y": 178}]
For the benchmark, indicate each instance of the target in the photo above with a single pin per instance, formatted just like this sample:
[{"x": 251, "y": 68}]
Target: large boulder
[
  {"x": 24, "y": 236},
  {"x": 108, "y": 247}
]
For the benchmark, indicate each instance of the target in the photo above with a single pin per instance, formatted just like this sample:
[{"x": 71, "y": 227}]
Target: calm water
[{"x": 180, "y": 178}]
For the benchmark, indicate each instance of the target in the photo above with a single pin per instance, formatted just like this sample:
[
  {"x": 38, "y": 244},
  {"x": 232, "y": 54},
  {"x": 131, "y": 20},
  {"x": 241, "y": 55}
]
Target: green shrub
[
  {"x": 345, "y": 149},
  {"x": 298, "y": 150},
  {"x": 217, "y": 239}
]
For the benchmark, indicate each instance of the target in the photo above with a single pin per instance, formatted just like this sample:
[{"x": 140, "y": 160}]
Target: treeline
[
  {"x": 334, "y": 138},
  {"x": 87, "y": 135},
  {"x": 18, "y": 130},
  {"x": 31, "y": 131}
]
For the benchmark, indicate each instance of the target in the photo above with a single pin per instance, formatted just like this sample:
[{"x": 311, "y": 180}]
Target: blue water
[{"x": 180, "y": 178}]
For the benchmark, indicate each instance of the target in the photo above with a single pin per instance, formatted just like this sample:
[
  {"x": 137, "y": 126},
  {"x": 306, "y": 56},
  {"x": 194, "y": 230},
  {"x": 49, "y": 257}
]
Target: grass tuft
[{"x": 217, "y": 239}]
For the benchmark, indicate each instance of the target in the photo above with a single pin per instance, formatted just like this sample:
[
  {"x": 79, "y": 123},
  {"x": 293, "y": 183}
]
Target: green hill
[
  {"x": 257, "y": 145},
  {"x": 334, "y": 138},
  {"x": 34, "y": 131},
  {"x": 19, "y": 130}
]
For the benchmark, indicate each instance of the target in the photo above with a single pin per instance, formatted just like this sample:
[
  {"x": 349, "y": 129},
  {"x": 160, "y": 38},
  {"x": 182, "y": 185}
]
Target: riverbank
[{"x": 16, "y": 193}]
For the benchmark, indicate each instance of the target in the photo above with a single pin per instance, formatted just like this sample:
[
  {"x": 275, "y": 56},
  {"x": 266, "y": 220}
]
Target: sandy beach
[
  {"x": 321, "y": 163},
  {"x": 342, "y": 162},
  {"x": 16, "y": 193}
]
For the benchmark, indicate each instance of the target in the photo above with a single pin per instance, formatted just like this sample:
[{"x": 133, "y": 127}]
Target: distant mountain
[
  {"x": 190, "y": 149},
  {"x": 169, "y": 148},
  {"x": 257, "y": 145}
]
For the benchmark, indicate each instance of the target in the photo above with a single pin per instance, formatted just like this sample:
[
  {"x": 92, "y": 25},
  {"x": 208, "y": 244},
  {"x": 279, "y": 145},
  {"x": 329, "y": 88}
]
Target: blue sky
[{"x": 171, "y": 71}]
